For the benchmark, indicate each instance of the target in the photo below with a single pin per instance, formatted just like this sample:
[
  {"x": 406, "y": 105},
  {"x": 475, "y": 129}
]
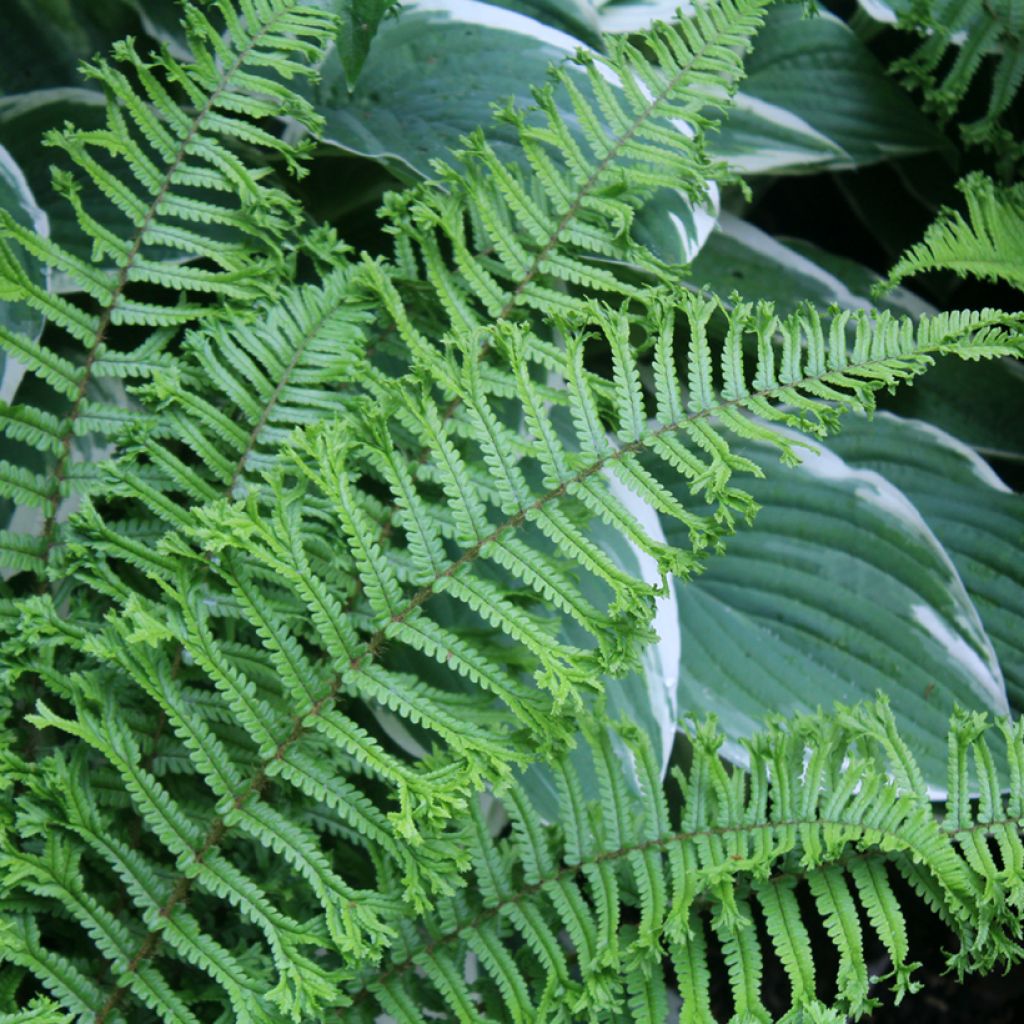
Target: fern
[
  {"x": 526, "y": 237},
  {"x": 184, "y": 196},
  {"x": 365, "y": 498},
  {"x": 593, "y": 920},
  {"x": 981, "y": 32},
  {"x": 267, "y": 602},
  {"x": 234, "y": 398},
  {"x": 985, "y": 244}
]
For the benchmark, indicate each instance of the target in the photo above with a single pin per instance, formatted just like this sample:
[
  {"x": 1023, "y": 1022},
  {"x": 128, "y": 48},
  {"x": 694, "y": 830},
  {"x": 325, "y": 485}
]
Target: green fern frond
[
  {"x": 339, "y": 580},
  {"x": 42, "y": 1011},
  {"x": 200, "y": 226},
  {"x": 988, "y": 243},
  {"x": 237, "y": 392},
  {"x": 980, "y": 32},
  {"x": 242, "y": 600},
  {"x": 621, "y": 887},
  {"x": 527, "y": 237}
]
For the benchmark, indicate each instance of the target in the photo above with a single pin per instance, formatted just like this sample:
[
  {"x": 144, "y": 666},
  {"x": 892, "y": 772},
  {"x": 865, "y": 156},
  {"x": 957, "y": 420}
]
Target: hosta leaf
[
  {"x": 576, "y": 17},
  {"x": 358, "y": 24},
  {"x": 978, "y": 403},
  {"x": 16, "y": 196},
  {"x": 24, "y": 119},
  {"x": 816, "y": 68},
  {"x": 763, "y": 138},
  {"x": 432, "y": 76},
  {"x": 739, "y": 255},
  {"x": 162, "y": 20},
  {"x": 647, "y": 699},
  {"x": 636, "y": 15},
  {"x": 840, "y": 590},
  {"x": 861, "y": 279},
  {"x": 971, "y": 511},
  {"x": 44, "y": 40},
  {"x": 673, "y": 228}
]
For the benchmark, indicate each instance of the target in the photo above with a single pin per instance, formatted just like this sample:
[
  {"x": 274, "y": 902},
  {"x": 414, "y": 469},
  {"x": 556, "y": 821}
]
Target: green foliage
[
  {"x": 988, "y": 243},
  {"x": 359, "y": 22},
  {"x": 604, "y": 919},
  {"x": 184, "y": 196},
  {"x": 336, "y": 587},
  {"x": 960, "y": 37}
]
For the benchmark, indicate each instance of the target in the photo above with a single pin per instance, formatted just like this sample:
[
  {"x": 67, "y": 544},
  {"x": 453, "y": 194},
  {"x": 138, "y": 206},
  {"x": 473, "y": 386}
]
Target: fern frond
[
  {"x": 269, "y": 630},
  {"x": 525, "y": 237},
  {"x": 981, "y": 32},
  {"x": 988, "y": 243},
  {"x": 340, "y": 580},
  {"x": 184, "y": 195},
  {"x": 842, "y": 827},
  {"x": 236, "y": 393}
]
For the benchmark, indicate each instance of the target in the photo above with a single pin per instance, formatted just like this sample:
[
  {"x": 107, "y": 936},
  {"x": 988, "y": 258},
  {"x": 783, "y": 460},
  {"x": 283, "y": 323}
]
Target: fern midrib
[
  {"x": 283, "y": 381},
  {"x": 121, "y": 283},
  {"x": 586, "y": 188},
  {"x": 1008, "y": 269},
  {"x": 997, "y": 18},
  {"x": 663, "y": 843},
  {"x": 218, "y": 828}
]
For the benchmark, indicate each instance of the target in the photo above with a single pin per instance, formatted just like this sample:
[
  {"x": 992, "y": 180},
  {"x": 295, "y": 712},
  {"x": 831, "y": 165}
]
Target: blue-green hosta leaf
[
  {"x": 620, "y": 16},
  {"x": 978, "y": 519},
  {"x": 162, "y": 21},
  {"x": 879, "y": 11},
  {"x": 578, "y": 18},
  {"x": 16, "y": 197},
  {"x": 840, "y": 590},
  {"x": 44, "y": 40},
  {"x": 763, "y": 138},
  {"x": 358, "y": 22},
  {"x": 673, "y": 228},
  {"x": 105, "y": 396},
  {"x": 432, "y": 76},
  {"x": 861, "y": 279},
  {"x": 976, "y": 402},
  {"x": 816, "y": 68},
  {"x": 741, "y": 256}
]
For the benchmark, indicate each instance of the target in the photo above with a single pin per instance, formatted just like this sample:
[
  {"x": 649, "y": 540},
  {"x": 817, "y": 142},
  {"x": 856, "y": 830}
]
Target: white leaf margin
[{"x": 14, "y": 177}]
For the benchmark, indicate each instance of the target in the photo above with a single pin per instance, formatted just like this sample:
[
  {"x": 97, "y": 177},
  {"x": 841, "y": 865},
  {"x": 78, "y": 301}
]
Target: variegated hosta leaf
[
  {"x": 816, "y": 68},
  {"x": 839, "y": 591},
  {"x": 433, "y": 76},
  {"x": 740, "y": 256},
  {"x": 975, "y": 516},
  {"x": 16, "y": 196}
]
